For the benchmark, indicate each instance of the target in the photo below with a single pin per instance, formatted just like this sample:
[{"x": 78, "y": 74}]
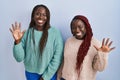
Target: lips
[
  {"x": 79, "y": 34},
  {"x": 40, "y": 21}
]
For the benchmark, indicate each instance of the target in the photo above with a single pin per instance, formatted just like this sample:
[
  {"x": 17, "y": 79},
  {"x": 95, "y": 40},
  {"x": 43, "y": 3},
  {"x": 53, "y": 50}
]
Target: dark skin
[
  {"x": 16, "y": 32},
  {"x": 41, "y": 78},
  {"x": 40, "y": 19},
  {"x": 79, "y": 31},
  {"x": 106, "y": 44}
]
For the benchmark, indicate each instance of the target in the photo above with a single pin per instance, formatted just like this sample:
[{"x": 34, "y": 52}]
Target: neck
[{"x": 39, "y": 28}]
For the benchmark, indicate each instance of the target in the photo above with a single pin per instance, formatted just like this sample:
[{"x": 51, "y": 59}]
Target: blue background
[{"x": 103, "y": 15}]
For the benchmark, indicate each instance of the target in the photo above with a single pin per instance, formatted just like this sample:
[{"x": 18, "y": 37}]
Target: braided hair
[{"x": 84, "y": 47}]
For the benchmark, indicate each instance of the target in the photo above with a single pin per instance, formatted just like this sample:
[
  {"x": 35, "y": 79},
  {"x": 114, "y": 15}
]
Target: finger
[
  {"x": 110, "y": 43},
  {"x": 96, "y": 47},
  {"x": 103, "y": 41},
  {"x": 23, "y": 32},
  {"x": 107, "y": 41},
  {"x": 13, "y": 27},
  {"x": 16, "y": 25},
  {"x": 19, "y": 26},
  {"x": 11, "y": 30},
  {"x": 112, "y": 48}
]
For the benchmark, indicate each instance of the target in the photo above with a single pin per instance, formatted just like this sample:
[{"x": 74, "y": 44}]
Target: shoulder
[
  {"x": 70, "y": 40},
  {"x": 54, "y": 31},
  {"x": 73, "y": 39},
  {"x": 28, "y": 30}
]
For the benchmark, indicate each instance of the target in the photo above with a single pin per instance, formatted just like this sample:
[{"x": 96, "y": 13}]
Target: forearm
[
  {"x": 100, "y": 61},
  {"x": 18, "y": 52},
  {"x": 59, "y": 72}
]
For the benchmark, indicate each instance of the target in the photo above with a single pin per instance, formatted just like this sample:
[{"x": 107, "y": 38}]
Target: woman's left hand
[
  {"x": 41, "y": 78},
  {"x": 105, "y": 46}
]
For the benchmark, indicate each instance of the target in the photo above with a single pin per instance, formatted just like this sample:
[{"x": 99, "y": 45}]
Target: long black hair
[{"x": 32, "y": 24}]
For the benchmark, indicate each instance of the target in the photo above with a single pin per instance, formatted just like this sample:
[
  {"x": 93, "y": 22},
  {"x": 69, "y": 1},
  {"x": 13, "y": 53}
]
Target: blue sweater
[{"x": 45, "y": 64}]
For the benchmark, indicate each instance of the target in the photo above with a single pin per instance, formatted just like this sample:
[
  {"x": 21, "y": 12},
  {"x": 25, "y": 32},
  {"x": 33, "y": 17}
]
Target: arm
[
  {"x": 18, "y": 50},
  {"x": 59, "y": 72},
  {"x": 100, "y": 59}
]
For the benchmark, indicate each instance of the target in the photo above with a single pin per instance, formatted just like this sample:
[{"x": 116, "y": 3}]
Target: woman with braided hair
[{"x": 83, "y": 54}]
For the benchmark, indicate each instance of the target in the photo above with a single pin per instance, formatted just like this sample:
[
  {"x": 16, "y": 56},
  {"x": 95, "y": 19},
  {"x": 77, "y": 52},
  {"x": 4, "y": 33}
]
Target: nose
[
  {"x": 40, "y": 16},
  {"x": 77, "y": 29}
]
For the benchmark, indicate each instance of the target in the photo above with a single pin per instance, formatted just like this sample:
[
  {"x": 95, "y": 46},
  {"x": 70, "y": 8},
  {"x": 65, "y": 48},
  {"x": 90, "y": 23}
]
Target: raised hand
[
  {"x": 16, "y": 32},
  {"x": 105, "y": 46}
]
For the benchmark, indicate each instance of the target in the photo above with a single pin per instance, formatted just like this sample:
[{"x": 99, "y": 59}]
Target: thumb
[
  {"x": 96, "y": 47},
  {"x": 23, "y": 31}
]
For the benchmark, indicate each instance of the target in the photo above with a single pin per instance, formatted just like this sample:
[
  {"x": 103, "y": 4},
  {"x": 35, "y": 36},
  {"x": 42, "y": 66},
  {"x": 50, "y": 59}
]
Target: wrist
[{"x": 17, "y": 41}]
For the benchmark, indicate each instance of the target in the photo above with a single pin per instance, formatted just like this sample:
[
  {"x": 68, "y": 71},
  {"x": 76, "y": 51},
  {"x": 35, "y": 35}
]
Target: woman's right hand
[{"x": 16, "y": 32}]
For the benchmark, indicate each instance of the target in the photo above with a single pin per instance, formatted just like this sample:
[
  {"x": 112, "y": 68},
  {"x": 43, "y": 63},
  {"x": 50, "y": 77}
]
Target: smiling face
[
  {"x": 78, "y": 29},
  {"x": 40, "y": 18}
]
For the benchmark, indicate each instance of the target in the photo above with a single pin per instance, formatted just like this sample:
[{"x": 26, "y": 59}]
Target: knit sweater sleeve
[
  {"x": 56, "y": 59},
  {"x": 18, "y": 49},
  {"x": 100, "y": 61}
]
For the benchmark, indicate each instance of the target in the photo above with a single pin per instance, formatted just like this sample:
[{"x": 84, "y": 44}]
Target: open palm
[
  {"x": 105, "y": 46},
  {"x": 16, "y": 31}
]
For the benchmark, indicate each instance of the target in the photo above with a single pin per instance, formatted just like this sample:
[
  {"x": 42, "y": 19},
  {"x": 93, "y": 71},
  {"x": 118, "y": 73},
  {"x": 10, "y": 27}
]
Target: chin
[{"x": 79, "y": 37}]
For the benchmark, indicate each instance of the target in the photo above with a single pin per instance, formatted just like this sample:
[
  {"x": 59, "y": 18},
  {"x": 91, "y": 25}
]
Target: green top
[{"x": 45, "y": 64}]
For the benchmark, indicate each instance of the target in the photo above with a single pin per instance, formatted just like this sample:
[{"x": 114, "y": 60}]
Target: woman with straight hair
[{"x": 40, "y": 47}]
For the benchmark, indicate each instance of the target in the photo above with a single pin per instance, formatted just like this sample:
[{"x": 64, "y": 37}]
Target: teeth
[
  {"x": 40, "y": 21},
  {"x": 79, "y": 33}
]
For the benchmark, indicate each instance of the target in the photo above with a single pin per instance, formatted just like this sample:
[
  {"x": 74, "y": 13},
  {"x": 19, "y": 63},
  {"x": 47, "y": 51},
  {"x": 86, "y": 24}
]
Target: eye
[
  {"x": 74, "y": 28},
  {"x": 37, "y": 14},
  {"x": 43, "y": 14},
  {"x": 80, "y": 27},
  {"x": 40, "y": 14}
]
